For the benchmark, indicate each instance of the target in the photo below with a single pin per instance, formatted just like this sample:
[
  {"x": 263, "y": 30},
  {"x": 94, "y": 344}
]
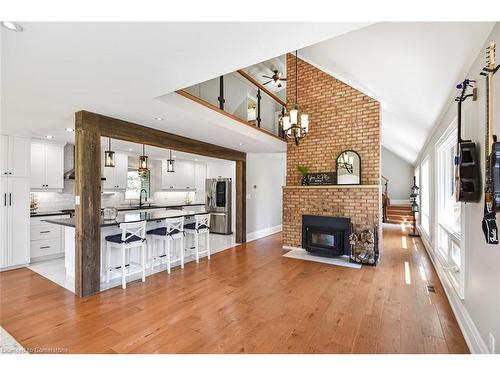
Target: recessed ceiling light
[
  {"x": 130, "y": 149},
  {"x": 70, "y": 130},
  {"x": 159, "y": 118},
  {"x": 12, "y": 26},
  {"x": 174, "y": 156},
  {"x": 195, "y": 159},
  {"x": 49, "y": 136},
  {"x": 241, "y": 144}
]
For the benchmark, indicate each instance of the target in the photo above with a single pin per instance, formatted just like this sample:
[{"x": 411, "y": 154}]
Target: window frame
[
  {"x": 127, "y": 196},
  {"x": 427, "y": 215},
  {"x": 454, "y": 271}
]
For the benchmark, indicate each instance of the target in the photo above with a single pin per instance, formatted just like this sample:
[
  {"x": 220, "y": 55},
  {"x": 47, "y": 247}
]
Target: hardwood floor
[{"x": 248, "y": 299}]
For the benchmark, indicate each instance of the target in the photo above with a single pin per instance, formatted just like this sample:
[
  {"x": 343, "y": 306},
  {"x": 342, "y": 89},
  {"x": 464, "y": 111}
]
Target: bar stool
[
  {"x": 200, "y": 226},
  {"x": 133, "y": 235},
  {"x": 172, "y": 231}
]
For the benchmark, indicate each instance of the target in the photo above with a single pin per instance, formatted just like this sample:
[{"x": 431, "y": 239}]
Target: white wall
[
  {"x": 479, "y": 312},
  {"x": 400, "y": 175},
  {"x": 265, "y": 177}
]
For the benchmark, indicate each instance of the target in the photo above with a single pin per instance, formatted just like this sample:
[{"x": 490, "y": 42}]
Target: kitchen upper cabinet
[
  {"x": 182, "y": 179},
  {"x": 185, "y": 179},
  {"x": 15, "y": 155},
  {"x": 47, "y": 166},
  {"x": 14, "y": 222},
  {"x": 200, "y": 175},
  {"x": 116, "y": 177}
]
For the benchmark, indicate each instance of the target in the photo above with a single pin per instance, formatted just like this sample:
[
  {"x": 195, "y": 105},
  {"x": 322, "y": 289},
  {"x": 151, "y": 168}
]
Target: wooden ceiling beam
[{"x": 131, "y": 132}]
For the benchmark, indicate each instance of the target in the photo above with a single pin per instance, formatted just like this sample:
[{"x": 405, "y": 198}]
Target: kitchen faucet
[{"x": 145, "y": 197}]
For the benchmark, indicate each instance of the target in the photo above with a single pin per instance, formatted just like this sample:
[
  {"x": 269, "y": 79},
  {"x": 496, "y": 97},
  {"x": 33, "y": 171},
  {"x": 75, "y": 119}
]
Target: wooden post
[
  {"x": 88, "y": 211},
  {"x": 241, "y": 195}
]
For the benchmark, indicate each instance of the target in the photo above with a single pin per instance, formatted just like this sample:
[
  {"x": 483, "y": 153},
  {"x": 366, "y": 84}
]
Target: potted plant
[{"x": 303, "y": 170}]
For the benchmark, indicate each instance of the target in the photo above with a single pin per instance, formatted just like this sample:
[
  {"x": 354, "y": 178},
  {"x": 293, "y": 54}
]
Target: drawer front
[
  {"x": 39, "y": 220},
  {"x": 44, "y": 232},
  {"x": 45, "y": 247}
]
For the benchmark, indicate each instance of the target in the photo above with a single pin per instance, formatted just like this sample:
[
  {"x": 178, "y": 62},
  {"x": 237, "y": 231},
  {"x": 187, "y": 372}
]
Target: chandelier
[
  {"x": 109, "y": 156},
  {"x": 143, "y": 163},
  {"x": 170, "y": 163},
  {"x": 295, "y": 124}
]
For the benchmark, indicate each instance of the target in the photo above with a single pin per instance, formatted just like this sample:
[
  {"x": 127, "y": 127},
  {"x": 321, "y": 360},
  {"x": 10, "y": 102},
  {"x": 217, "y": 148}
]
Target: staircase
[{"x": 399, "y": 214}]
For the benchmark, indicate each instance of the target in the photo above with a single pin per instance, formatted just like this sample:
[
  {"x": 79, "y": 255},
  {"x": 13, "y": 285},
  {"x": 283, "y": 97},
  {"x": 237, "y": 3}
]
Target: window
[
  {"x": 419, "y": 200},
  {"x": 449, "y": 208},
  {"x": 425, "y": 197},
  {"x": 135, "y": 184},
  {"x": 449, "y": 218}
]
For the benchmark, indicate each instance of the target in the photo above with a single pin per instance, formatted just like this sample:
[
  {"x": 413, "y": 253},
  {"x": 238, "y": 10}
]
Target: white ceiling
[
  {"x": 411, "y": 68},
  {"x": 127, "y": 70}
]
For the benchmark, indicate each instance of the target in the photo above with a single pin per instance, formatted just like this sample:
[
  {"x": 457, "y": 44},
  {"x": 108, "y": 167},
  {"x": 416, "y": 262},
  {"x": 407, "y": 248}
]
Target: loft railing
[
  {"x": 385, "y": 197},
  {"x": 241, "y": 97}
]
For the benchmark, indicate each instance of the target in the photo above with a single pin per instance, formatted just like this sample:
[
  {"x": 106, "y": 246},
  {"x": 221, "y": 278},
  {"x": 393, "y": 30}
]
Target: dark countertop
[
  {"x": 122, "y": 208},
  {"x": 133, "y": 217},
  {"x": 49, "y": 213}
]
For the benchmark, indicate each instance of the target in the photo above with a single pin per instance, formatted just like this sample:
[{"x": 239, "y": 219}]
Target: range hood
[{"x": 69, "y": 163}]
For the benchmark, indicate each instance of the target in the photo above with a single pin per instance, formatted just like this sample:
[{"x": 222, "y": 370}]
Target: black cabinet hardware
[
  {"x": 10, "y": 199},
  {"x": 5, "y": 199},
  {"x": 45, "y": 231},
  {"x": 44, "y": 247}
]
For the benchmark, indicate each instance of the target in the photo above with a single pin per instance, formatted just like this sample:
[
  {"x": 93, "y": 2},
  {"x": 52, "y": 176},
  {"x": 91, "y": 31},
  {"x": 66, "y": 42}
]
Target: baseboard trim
[
  {"x": 263, "y": 233},
  {"x": 10, "y": 268},
  {"x": 471, "y": 334}
]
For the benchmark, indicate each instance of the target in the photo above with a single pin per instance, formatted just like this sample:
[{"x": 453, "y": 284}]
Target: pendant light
[
  {"x": 170, "y": 163},
  {"x": 295, "y": 124},
  {"x": 143, "y": 163},
  {"x": 109, "y": 156}
]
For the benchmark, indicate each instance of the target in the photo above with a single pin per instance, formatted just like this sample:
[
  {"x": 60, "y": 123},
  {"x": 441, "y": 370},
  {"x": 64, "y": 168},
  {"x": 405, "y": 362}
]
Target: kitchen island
[{"x": 153, "y": 217}]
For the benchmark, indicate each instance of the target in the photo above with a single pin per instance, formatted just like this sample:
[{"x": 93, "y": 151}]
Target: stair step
[
  {"x": 391, "y": 221},
  {"x": 395, "y": 207}
]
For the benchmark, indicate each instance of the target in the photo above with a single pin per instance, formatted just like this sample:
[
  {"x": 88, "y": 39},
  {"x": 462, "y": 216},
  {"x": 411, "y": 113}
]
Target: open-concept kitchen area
[
  {"x": 177, "y": 186},
  {"x": 248, "y": 188}
]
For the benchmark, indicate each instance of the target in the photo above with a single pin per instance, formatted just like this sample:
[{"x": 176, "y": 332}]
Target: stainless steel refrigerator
[{"x": 218, "y": 203}]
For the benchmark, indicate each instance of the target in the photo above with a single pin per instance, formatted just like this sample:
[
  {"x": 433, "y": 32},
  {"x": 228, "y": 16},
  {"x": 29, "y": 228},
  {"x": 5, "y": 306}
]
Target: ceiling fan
[{"x": 276, "y": 78}]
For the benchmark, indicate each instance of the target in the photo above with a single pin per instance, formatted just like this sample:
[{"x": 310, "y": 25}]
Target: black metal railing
[{"x": 241, "y": 96}]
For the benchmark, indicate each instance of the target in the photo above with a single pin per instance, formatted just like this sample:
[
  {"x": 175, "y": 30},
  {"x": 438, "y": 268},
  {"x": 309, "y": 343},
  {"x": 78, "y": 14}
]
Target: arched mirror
[{"x": 348, "y": 168}]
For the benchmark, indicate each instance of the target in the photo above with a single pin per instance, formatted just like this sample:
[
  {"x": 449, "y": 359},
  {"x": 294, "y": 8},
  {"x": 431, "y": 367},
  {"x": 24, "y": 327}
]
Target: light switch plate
[
  {"x": 77, "y": 200},
  {"x": 249, "y": 196}
]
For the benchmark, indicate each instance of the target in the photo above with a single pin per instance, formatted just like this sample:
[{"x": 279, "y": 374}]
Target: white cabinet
[
  {"x": 14, "y": 221},
  {"x": 182, "y": 179},
  {"x": 46, "y": 239},
  {"x": 47, "y": 166},
  {"x": 200, "y": 176},
  {"x": 15, "y": 156},
  {"x": 116, "y": 177}
]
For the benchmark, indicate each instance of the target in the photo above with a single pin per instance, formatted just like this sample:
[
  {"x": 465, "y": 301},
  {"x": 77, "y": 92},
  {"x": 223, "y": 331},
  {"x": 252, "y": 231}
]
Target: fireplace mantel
[{"x": 332, "y": 187}]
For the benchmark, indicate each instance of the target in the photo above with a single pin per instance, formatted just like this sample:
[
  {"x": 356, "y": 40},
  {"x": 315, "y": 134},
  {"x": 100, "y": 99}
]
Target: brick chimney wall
[{"x": 340, "y": 118}]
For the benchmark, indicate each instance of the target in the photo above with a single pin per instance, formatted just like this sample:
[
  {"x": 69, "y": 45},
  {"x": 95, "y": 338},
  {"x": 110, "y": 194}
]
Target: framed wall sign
[{"x": 321, "y": 178}]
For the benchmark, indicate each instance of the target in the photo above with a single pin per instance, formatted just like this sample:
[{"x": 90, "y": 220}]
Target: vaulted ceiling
[
  {"x": 410, "y": 67},
  {"x": 128, "y": 70},
  {"x": 125, "y": 70}
]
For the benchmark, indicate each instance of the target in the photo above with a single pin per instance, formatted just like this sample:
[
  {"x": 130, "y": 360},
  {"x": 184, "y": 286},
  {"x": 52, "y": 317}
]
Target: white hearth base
[{"x": 299, "y": 253}]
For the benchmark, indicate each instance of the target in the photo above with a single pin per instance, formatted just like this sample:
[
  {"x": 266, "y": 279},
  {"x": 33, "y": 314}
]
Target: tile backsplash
[{"x": 53, "y": 201}]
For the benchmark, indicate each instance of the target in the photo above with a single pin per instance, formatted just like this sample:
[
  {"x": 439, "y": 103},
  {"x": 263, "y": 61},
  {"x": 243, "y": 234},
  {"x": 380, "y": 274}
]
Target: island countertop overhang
[{"x": 131, "y": 217}]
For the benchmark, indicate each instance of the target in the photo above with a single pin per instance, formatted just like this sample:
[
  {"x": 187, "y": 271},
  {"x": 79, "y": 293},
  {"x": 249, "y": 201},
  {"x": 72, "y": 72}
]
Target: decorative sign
[{"x": 322, "y": 178}]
